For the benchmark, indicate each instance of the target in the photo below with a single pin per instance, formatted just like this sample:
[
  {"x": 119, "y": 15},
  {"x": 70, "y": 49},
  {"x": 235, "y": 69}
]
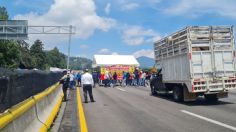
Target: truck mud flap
[
  {"x": 189, "y": 96},
  {"x": 222, "y": 95}
]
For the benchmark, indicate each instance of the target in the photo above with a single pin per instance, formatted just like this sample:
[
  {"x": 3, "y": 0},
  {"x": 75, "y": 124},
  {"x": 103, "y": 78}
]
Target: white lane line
[
  {"x": 210, "y": 120},
  {"x": 121, "y": 89}
]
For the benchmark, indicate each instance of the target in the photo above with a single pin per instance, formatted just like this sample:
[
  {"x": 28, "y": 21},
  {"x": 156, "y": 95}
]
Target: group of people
[
  {"x": 136, "y": 78},
  {"x": 85, "y": 80}
]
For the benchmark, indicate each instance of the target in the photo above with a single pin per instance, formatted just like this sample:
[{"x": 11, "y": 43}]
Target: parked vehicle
[{"x": 198, "y": 60}]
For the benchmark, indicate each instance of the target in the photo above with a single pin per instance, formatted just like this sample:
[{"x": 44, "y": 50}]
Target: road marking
[
  {"x": 121, "y": 89},
  {"x": 210, "y": 120},
  {"x": 82, "y": 120}
]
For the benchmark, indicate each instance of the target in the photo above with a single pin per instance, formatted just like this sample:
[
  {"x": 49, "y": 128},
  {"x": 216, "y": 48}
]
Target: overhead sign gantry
[{"x": 19, "y": 30}]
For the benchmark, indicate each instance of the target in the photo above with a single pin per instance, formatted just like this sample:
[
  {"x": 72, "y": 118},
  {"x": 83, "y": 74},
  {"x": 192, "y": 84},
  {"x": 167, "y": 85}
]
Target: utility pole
[{"x": 68, "y": 56}]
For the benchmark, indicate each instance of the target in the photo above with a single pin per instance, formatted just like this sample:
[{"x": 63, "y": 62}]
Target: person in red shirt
[{"x": 102, "y": 78}]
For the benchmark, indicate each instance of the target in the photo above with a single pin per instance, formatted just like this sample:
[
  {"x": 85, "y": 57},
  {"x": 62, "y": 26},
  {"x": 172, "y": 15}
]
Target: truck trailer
[{"x": 196, "y": 61}]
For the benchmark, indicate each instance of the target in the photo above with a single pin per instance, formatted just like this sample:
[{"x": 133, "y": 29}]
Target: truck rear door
[
  {"x": 224, "y": 63},
  {"x": 223, "y": 51}
]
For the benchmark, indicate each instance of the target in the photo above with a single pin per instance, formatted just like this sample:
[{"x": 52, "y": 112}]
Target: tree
[
  {"x": 9, "y": 50},
  {"x": 55, "y": 58},
  {"x": 80, "y": 63},
  {"x": 26, "y": 61},
  {"x": 38, "y": 55},
  {"x": 9, "y": 54},
  {"x": 3, "y": 13}
]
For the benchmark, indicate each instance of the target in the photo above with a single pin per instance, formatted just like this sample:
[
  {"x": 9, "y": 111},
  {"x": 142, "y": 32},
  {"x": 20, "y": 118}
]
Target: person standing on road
[
  {"x": 140, "y": 78},
  {"x": 78, "y": 76},
  {"x": 127, "y": 78},
  {"x": 87, "y": 84},
  {"x": 65, "y": 84},
  {"x": 124, "y": 79},
  {"x": 133, "y": 79},
  {"x": 110, "y": 84},
  {"x": 95, "y": 76},
  {"x": 143, "y": 78},
  {"x": 106, "y": 77},
  {"x": 114, "y": 79},
  {"x": 72, "y": 77},
  {"x": 136, "y": 72}
]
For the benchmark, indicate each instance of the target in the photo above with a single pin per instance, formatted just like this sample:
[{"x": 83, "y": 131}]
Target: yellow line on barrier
[
  {"x": 17, "y": 110},
  {"x": 41, "y": 95},
  {"x": 83, "y": 124},
  {"x": 5, "y": 119},
  {"x": 52, "y": 116}
]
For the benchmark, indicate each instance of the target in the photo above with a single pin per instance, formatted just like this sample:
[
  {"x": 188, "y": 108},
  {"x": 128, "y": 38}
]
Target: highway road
[{"x": 132, "y": 109}]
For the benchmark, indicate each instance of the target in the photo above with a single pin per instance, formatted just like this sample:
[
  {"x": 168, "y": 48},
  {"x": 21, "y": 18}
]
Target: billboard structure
[{"x": 13, "y": 29}]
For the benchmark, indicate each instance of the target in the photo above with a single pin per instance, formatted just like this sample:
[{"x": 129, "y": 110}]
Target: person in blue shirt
[
  {"x": 78, "y": 76},
  {"x": 95, "y": 78}
]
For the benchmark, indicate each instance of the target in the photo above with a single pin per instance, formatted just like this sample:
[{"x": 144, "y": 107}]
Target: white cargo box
[{"x": 202, "y": 57}]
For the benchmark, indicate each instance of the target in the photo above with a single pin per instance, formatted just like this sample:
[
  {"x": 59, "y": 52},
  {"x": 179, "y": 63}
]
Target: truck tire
[
  {"x": 211, "y": 97},
  {"x": 178, "y": 94}
]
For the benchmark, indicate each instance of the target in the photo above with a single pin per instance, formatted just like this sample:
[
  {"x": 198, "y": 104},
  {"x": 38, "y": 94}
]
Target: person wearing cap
[{"x": 87, "y": 84}]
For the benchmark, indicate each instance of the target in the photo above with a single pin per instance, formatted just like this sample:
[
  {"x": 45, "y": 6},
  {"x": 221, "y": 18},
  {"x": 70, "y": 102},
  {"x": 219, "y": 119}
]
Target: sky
[{"x": 125, "y": 27}]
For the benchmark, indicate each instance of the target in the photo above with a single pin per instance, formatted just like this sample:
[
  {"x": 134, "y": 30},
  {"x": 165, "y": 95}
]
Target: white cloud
[
  {"x": 199, "y": 7},
  {"x": 144, "y": 52},
  {"x": 129, "y": 6},
  {"x": 79, "y": 13},
  {"x": 108, "y": 8},
  {"x": 104, "y": 51},
  {"x": 83, "y": 46},
  {"x": 136, "y": 35},
  {"x": 114, "y": 53}
]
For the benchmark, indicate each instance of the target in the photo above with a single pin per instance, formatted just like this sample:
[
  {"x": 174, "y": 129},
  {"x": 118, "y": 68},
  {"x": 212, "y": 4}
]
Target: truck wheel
[
  {"x": 211, "y": 97},
  {"x": 178, "y": 94}
]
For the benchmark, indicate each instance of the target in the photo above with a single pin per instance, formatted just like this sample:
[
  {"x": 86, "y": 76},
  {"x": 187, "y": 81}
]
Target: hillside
[{"x": 80, "y": 63}]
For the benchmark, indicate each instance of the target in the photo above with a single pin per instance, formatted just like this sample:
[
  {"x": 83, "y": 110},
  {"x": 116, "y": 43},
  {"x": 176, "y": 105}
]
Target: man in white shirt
[{"x": 87, "y": 84}]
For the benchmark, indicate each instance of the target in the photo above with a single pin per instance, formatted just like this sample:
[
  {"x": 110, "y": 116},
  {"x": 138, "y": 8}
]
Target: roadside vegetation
[{"x": 19, "y": 54}]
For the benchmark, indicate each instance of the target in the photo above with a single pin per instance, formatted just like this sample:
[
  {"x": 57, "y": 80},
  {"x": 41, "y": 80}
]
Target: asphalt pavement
[{"x": 133, "y": 109}]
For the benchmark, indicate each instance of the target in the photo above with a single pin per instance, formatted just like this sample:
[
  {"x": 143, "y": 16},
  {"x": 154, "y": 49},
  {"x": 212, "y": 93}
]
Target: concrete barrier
[{"x": 34, "y": 114}]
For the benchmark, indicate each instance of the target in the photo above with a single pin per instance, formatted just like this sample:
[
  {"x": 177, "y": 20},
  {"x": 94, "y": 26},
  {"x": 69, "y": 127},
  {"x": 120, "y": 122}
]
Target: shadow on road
[{"x": 199, "y": 102}]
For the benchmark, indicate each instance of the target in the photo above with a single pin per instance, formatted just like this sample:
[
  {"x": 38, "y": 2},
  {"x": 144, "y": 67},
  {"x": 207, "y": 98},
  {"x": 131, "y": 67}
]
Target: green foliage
[
  {"x": 79, "y": 63},
  {"x": 3, "y": 13},
  {"x": 38, "y": 55},
  {"x": 26, "y": 61},
  {"x": 18, "y": 54},
  {"x": 55, "y": 58},
  {"x": 9, "y": 54}
]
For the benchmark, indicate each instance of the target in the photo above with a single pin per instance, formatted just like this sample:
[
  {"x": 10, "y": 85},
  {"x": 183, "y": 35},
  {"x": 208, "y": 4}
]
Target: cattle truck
[{"x": 196, "y": 61}]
